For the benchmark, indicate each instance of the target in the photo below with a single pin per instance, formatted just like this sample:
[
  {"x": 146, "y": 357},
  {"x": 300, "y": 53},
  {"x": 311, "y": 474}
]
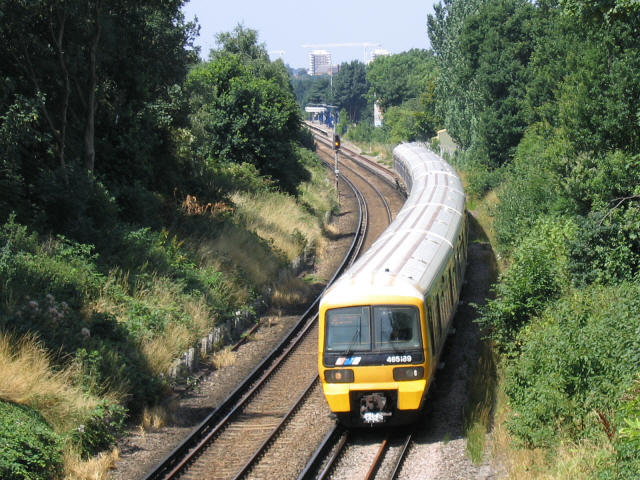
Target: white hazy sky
[{"x": 398, "y": 25}]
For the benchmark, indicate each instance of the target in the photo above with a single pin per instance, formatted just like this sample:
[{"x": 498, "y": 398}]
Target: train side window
[
  {"x": 441, "y": 316},
  {"x": 444, "y": 314},
  {"x": 452, "y": 289},
  {"x": 428, "y": 311}
]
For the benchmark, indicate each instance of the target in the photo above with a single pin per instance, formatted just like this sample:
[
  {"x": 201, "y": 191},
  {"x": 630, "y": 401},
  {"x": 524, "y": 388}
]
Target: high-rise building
[
  {"x": 378, "y": 52},
  {"x": 319, "y": 62}
]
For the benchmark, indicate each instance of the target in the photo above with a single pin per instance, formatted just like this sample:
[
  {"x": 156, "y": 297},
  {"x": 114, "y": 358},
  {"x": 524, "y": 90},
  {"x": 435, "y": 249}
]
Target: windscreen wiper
[{"x": 349, "y": 350}]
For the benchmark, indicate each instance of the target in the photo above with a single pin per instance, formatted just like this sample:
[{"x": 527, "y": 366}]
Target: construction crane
[{"x": 364, "y": 45}]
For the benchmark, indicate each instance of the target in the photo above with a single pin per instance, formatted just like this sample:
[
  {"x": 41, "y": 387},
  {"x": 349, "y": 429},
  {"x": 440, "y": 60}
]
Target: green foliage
[
  {"x": 242, "y": 41},
  {"x": 627, "y": 442},
  {"x": 483, "y": 72},
  {"x": 77, "y": 204},
  {"x": 410, "y": 121},
  {"x": 17, "y": 137},
  {"x": 608, "y": 247},
  {"x": 480, "y": 177},
  {"x": 312, "y": 89},
  {"x": 101, "y": 429},
  {"x": 593, "y": 182},
  {"x": 343, "y": 122},
  {"x": 538, "y": 274},
  {"x": 244, "y": 112},
  {"x": 349, "y": 89},
  {"x": 59, "y": 266},
  {"x": 366, "y": 132},
  {"x": 394, "y": 79},
  {"x": 577, "y": 359},
  {"x": 533, "y": 185},
  {"x": 30, "y": 449}
]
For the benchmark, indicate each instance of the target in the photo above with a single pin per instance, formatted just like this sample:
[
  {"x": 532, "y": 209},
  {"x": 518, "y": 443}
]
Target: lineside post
[{"x": 336, "y": 149}]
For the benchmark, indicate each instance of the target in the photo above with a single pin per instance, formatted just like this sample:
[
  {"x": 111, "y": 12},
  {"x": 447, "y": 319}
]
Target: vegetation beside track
[
  {"x": 549, "y": 151},
  {"x": 111, "y": 268}
]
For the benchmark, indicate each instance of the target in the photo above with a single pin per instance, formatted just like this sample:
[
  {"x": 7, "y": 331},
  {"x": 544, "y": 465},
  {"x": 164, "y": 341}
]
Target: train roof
[{"x": 412, "y": 251}]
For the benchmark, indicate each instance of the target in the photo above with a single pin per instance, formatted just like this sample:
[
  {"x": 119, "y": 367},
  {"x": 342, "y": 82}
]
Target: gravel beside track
[{"x": 358, "y": 455}]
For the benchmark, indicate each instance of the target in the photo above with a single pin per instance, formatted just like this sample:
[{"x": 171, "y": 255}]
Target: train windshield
[
  {"x": 396, "y": 327},
  {"x": 377, "y": 328},
  {"x": 348, "y": 329}
]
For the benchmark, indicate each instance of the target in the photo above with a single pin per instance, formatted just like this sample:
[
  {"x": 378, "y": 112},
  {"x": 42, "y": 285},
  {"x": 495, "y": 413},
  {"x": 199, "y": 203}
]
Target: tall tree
[
  {"x": 244, "y": 111},
  {"x": 396, "y": 78},
  {"x": 99, "y": 74},
  {"x": 350, "y": 88},
  {"x": 483, "y": 74}
]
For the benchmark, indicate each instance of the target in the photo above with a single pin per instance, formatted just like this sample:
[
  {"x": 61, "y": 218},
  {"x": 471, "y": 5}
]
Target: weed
[{"x": 223, "y": 358}]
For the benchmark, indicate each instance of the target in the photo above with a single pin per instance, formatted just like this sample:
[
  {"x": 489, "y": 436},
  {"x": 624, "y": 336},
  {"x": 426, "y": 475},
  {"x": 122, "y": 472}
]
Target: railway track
[
  {"x": 389, "y": 176},
  {"x": 273, "y": 403},
  {"x": 345, "y": 454}
]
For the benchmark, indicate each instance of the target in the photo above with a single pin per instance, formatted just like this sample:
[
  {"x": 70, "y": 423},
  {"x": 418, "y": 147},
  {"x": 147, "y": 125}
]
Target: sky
[{"x": 285, "y": 25}]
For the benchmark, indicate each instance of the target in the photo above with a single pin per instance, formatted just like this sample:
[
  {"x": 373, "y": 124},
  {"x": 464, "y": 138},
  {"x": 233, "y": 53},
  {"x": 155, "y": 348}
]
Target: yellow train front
[{"x": 384, "y": 322}]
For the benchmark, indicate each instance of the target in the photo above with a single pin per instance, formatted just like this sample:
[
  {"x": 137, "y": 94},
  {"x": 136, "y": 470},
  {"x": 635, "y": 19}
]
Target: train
[{"x": 384, "y": 322}]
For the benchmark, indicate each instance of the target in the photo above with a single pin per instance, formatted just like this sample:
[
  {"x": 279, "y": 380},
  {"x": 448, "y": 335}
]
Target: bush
[
  {"x": 533, "y": 185},
  {"x": 577, "y": 361},
  {"x": 366, "y": 132},
  {"x": 607, "y": 250},
  {"x": 101, "y": 430},
  {"x": 537, "y": 275},
  {"x": 77, "y": 205},
  {"x": 30, "y": 448},
  {"x": 60, "y": 266}
]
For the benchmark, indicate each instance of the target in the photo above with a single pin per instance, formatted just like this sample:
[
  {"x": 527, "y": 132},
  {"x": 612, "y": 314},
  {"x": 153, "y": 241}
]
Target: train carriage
[{"x": 384, "y": 322}]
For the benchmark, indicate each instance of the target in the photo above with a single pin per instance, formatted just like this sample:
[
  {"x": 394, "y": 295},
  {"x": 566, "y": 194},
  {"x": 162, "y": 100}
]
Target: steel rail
[
  {"x": 272, "y": 436},
  {"x": 248, "y": 466},
  {"x": 190, "y": 447},
  {"x": 387, "y": 175},
  {"x": 401, "y": 456},
  {"x": 363, "y": 178},
  {"x": 377, "y": 461},
  {"x": 333, "y": 459}
]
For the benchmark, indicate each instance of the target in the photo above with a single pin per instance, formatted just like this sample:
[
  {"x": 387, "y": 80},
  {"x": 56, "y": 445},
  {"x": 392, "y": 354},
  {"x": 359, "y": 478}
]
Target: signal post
[{"x": 336, "y": 149}]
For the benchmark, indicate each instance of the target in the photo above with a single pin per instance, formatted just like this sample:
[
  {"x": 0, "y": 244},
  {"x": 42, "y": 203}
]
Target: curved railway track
[{"x": 233, "y": 440}]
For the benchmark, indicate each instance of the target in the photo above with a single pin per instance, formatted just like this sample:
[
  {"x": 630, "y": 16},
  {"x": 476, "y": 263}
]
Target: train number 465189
[{"x": 399, "y": 359}]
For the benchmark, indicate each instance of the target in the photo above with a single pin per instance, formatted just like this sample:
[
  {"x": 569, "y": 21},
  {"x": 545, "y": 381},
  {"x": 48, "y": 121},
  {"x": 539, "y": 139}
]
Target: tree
[
  {"x": 244, "y": 111},
  {"x": 99, "y": 75},
  {"x": 484, "y": 73},
  {"x": 396, "y": 78},
  {"x": 349, "y": 89}
]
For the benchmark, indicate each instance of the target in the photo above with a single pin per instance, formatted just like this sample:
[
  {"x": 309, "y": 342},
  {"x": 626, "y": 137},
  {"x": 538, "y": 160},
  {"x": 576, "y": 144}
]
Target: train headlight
[
  {"x": 343, "y": 375},
  {"x": 408, "y": 373}
]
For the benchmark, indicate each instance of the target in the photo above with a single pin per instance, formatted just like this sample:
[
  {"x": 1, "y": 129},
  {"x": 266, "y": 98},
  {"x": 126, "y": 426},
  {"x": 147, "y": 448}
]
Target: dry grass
[
  {"x": 290, "y": 291},
  {"x": 29, "y": 379},
  {"x": 279, "y": 220},
  {"x": 162, "y": 350},
  {"x": 236, "y": 250},
  {"x": 381, "y": 152},
  {"x": 223, "y": 358},
  {"x": 154, "y": 417},
  {"x": 96, "y": 468},
  {"x": 161, "y": 293}
]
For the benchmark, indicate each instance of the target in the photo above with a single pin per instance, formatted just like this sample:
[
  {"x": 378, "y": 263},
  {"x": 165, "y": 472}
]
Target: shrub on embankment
[{"x": 102, "y": 327}]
